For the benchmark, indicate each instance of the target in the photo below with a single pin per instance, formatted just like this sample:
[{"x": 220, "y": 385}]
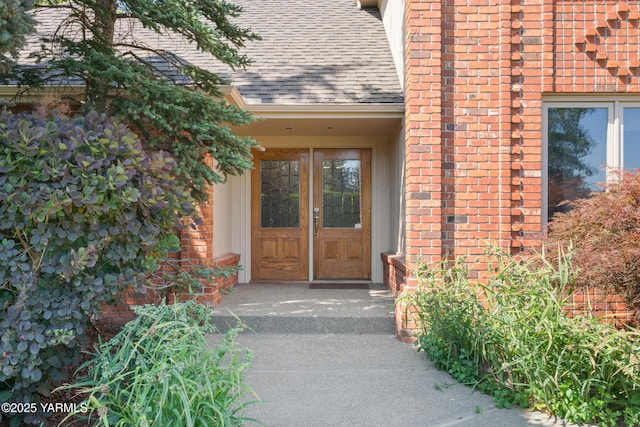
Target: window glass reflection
[
  {"x": 341, "y": 193},
  {"x": 577, "y": 148},
  {"x": 631, "y": 138}
]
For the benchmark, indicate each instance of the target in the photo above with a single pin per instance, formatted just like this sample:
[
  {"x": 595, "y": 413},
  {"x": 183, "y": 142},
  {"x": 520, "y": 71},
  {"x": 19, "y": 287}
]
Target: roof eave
[
  {"x": 233, "y": 96},
  {"x": 304, "y": 111},
  {"x": 328, "y": 110},
  {"x": 34, "y": 95},
  {"x": 367, "y": 3}
]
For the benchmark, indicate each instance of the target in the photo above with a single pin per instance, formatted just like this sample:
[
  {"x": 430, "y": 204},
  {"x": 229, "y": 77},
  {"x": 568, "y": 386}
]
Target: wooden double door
[{"x": 311, "y": 210}]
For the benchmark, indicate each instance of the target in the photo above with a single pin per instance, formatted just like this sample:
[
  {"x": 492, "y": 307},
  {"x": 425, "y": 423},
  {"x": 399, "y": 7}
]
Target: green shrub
[
  {"x": 84, "y": 213},
  {"x": 512, "y": 338},
  {"x": 605, "y": 232},
  {"x": 160, "y": 371}
]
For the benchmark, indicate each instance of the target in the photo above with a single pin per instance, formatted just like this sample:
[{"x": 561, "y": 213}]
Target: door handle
[{"x": 316, "y": 221}]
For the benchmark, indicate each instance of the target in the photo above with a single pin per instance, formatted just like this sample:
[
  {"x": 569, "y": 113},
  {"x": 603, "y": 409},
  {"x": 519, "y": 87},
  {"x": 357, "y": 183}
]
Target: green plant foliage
[
  {"x": 84, "y": 213},
  {"x": 160, "y": 370},
  {"x": 175, "y": 105},
  {"x": 604, "y": 229},
  {"x": 512, "y": 338},
  {"x": 15, "y": 22}
]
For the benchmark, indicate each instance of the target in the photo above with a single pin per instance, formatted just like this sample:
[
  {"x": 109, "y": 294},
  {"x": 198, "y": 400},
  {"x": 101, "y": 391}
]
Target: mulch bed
[{"x": 105, "y": 333}]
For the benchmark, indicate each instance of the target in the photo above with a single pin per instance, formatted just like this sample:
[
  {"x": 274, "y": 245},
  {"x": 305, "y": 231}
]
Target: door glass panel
[
  {"x": 279, "y": 193},
  {"x": 577, "y": 153},
  {"x": 631, "y": 138},
  {"x": 341, "y": 194}
]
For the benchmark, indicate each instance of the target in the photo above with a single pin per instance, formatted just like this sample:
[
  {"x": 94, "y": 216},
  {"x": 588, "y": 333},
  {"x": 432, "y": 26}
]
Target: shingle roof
[
  {"x": 317, "y": 51},
  {"x": 311, "y": 52}
]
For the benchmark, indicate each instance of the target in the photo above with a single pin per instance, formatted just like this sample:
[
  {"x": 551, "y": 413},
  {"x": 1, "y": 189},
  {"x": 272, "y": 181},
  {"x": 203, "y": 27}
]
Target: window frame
[
  {"x": 615, "y": 134},
  {"x": 621, "y": 105}
]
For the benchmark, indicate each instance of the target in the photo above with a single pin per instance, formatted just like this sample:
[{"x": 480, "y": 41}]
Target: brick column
[
  {"x": 462, "y": 119},
  {"x": 423, "y": 123},
  {"x": 461, "y": 175},
  {"x": 423, "y": 143}
]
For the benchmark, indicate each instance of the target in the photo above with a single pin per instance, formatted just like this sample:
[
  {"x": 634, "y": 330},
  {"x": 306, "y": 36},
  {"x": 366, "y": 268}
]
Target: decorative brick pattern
[
  {"x": 476, "y": 72},
  {"x": 601, "y": 53}
]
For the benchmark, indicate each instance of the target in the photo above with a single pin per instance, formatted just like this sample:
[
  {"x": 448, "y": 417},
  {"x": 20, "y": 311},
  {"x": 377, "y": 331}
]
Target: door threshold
[
  {"x": 338, "y": 286},
  {"x": 341, "y": 281},
  {"x": 311, "y": 282}
]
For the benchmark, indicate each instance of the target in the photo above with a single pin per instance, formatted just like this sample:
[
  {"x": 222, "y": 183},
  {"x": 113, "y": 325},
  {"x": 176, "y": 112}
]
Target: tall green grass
[
  {"x": 160, "y": 371},
  {"x": 511, "y": 337}
]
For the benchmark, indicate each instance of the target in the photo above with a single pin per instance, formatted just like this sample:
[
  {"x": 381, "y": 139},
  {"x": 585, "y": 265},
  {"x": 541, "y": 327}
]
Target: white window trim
[
  {"x": 615, "y": 133},
  {"x": 621, "y": 105}
]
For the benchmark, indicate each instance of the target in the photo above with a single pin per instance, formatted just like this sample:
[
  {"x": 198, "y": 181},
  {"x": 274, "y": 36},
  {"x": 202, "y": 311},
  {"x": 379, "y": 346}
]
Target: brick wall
[
  {"x": 476, "y": 72},
  {"x": 210, "y": 294},
  {"x": 196, "y": 251},
  {"x": 606, "y": 305},
  {"x": 394, "y": 272}
]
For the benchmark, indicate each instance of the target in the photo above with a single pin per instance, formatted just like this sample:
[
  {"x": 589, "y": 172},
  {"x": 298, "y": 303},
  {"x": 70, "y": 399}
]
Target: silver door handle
[{"x": 316, "y": 221}]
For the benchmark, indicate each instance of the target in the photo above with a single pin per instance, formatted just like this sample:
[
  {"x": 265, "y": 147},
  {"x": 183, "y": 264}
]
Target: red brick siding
[
  {"x": 197, "y": 243},
  {"x": 121, "y": 313},
  {"x": 606, "y": 305},
  {"x": 196, "y": 251},
  {"x": 423, "y": 128},
  {"x": 394, "y": 273},
  {"x": 476, "y": 72},
  {"x": 211, "y": 293}
]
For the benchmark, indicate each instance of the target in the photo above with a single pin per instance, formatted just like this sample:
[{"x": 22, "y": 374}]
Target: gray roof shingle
[
  {"x": 311, "y": 52},
  {"x": 317, "y": 51}
]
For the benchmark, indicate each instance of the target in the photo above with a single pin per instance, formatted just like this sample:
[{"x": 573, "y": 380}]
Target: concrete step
[
  {"x": 297, "y": 309},
  {"x": 307, "y": 325}
]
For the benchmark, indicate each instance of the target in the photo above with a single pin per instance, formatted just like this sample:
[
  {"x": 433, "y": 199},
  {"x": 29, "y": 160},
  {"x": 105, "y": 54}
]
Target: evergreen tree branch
[{"x": 176, "y": 106}]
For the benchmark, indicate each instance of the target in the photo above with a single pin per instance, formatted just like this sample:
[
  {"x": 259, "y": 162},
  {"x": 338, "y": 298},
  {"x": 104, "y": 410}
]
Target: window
[
  {"x": 582, "y": 140},
  {"x": 341, "y": 193},
  {"x": 279, "y": 193}
]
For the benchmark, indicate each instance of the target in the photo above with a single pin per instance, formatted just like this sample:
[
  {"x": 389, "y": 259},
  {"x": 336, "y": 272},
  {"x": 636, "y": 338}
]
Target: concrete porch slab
[{"x": 294, "y": 308}]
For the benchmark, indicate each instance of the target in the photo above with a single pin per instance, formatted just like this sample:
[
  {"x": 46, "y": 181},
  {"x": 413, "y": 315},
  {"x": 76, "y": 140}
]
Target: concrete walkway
[{"x": 329, "y": 358}]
